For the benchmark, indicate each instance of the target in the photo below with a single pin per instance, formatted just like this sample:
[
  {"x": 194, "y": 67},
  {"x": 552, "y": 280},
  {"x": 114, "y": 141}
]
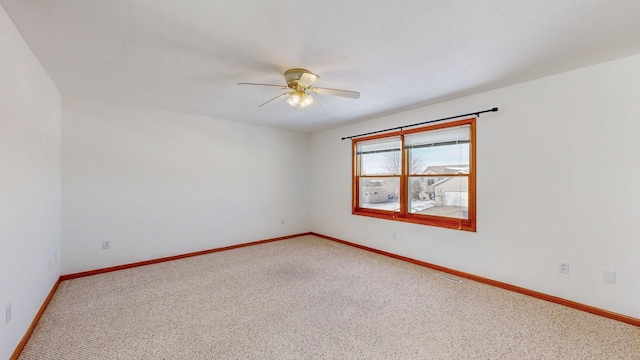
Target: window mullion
[
  {"x": 355, "y": 175},
  {"x": 404, "y": 181}
]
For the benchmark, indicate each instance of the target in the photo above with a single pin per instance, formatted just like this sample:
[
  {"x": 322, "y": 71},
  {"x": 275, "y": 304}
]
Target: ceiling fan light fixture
[
  {"x": 294, "y": 99},
  {"x": 306, "y": 101},
  {"x": 300, "y": 98}
]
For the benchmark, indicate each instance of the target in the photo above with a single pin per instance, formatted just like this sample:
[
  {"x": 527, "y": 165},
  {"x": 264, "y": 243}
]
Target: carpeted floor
[{"x": 310, "y": 298}]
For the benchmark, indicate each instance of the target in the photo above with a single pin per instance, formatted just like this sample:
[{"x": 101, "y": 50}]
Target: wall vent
[{"x": 449, "y": 277}]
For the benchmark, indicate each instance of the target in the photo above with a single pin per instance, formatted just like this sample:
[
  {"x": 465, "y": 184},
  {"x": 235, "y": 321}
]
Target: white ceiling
[{"x": 188, "y": 55}]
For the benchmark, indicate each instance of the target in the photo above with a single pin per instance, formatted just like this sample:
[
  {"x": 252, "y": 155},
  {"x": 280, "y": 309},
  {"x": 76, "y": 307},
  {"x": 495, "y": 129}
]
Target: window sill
[{"x": 448, "y": 223}]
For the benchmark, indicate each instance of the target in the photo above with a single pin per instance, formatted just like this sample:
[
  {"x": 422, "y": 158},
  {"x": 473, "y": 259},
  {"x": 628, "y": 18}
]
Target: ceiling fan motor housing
[{"x": 296, "y": 78}]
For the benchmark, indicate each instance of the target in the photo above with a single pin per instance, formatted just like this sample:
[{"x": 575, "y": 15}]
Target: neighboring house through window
[{"x": 424, "y": 175}]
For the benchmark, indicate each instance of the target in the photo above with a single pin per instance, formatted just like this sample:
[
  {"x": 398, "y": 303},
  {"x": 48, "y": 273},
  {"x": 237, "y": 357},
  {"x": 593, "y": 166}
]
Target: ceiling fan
[{"x": 299, "y": 89}]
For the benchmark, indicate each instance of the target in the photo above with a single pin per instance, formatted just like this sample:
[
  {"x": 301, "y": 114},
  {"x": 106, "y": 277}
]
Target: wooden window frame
[{"x": 404, "y": 215}]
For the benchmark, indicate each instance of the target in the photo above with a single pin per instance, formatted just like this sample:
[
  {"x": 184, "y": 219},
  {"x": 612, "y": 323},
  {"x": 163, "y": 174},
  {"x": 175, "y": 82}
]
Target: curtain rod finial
[{"x": 494, "y": 109}]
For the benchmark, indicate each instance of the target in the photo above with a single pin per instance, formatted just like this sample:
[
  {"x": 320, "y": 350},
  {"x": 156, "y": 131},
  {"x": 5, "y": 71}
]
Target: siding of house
[{"x": 454, "y": 184}]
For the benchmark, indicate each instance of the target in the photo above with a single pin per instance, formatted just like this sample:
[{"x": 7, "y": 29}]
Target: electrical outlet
[
  {"x": 394, "y": 235},
  {"x": 609, "y": 276},
  {"x": 8, "y": 313},
  {"x": 563, "y": 268},
  {"x": 106, "y": 244}
]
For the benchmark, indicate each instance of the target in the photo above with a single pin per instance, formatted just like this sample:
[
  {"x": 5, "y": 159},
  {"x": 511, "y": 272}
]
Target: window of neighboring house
[{"x": 424, "y": 175}]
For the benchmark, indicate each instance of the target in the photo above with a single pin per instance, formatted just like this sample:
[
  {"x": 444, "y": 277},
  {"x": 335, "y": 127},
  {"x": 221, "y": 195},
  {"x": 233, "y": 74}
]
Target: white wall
[
  {"x": 558, "y": 180},
  {"x": 158, "y": 183},
  {"x": 29, "y": 185}
]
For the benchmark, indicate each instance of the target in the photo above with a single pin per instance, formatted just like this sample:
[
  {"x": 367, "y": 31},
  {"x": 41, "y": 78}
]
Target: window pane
[
  {"x": 444, "y": 151},
  {"x": 380, "y": 157},
  {"x": 380, "y": 193},
  {"x": 451, "y": 159},
  {"x": 439, "y": 196}
]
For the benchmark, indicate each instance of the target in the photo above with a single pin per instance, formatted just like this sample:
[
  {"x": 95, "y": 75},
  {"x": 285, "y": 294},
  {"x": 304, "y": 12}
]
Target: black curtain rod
[{"x": 477, "y": 113}]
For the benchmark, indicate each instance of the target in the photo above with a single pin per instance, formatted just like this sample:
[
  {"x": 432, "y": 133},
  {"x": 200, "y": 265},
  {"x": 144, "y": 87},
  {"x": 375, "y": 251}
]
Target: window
[{"x": 424, "y": 175}]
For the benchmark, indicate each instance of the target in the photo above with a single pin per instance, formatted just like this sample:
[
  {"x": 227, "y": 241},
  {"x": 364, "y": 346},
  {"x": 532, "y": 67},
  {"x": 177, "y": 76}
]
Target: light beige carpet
[{"x": 310, "y": 298}]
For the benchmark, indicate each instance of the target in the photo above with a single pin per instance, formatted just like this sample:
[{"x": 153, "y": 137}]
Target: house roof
[
  {"x": 446, "y": 169},
  {"x": 441, "y": 181}
]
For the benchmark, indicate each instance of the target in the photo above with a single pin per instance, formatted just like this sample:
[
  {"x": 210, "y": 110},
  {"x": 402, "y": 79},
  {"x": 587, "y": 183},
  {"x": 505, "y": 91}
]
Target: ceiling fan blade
[
  {"x": 336, "y": 92},
  {"x": 307, "y": 79},
  {"x": 275, "y": 98},
  {"x": 270, "y": 85},
  {"x": 316, "y": 100}
]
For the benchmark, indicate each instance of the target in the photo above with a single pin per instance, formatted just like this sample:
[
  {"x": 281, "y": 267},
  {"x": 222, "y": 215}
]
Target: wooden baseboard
[
  {"x": 27, "y": 335},
  {"x": 480, "y": 279},
  {"x": 170, "y": 258},
  {"x": 539, "y": 295}
]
